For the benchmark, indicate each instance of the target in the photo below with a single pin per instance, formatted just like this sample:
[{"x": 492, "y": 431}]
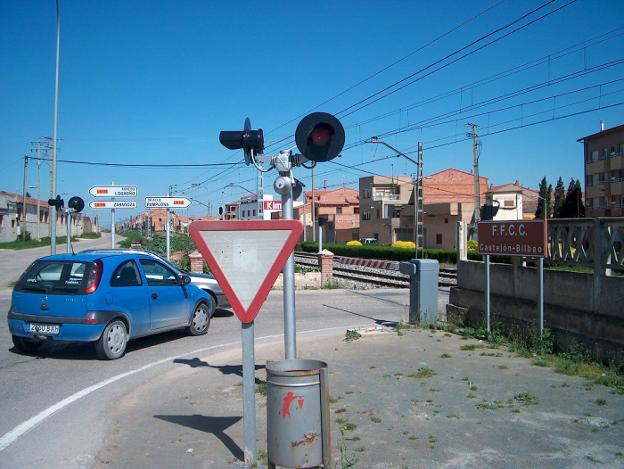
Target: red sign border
[{"x": 294, "y": 226}]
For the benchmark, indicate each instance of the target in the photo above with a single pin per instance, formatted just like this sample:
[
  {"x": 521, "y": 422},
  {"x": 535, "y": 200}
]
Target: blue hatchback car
[{"x": 106, "y": 298}]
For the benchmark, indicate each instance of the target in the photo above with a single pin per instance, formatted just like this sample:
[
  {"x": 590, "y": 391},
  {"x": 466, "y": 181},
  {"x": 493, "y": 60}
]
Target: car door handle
[{"x": 154, "y": 296}]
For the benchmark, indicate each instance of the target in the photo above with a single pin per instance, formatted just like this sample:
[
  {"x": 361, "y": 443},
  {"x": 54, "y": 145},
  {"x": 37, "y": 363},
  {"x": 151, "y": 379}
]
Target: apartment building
[
  {"x": 382, "y": 200},
  {"x": 387, "y": 206},
  {"x": 603, "y": 153},
  {"x": 339, "y": 209}
]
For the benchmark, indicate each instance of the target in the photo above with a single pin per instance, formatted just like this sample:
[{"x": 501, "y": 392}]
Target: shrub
[
  {"x": 353, "y": 243},
  {"x": 404, "y": 245},
  {"x": 473, "y": 246}
]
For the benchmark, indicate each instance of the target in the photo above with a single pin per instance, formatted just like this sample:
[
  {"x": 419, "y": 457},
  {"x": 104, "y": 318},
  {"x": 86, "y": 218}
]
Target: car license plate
[{"x": 46, "y": 329}]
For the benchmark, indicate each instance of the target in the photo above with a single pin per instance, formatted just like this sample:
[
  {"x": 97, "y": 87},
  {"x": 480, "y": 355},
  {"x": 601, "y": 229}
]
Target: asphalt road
[{"x": 54, "y": 406}]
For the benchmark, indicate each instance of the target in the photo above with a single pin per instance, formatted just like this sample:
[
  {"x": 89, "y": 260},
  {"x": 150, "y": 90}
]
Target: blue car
[{"x": 105, "y": 298}]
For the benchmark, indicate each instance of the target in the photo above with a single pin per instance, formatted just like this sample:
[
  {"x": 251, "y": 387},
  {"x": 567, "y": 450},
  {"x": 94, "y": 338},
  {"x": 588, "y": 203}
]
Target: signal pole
[
  {"x": 475, "y": 172},
  {"x": 55, "y": 134}
]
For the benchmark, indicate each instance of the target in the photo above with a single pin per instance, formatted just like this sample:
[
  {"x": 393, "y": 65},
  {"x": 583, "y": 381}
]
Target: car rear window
[{"x": 55, "y": 277}]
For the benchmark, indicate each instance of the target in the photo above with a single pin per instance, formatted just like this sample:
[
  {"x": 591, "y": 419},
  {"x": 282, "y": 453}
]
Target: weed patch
[
  {"x": 352, "y": 335},
  {"x": 527, "y": 398},
  {"x": 423, "y": 373}
]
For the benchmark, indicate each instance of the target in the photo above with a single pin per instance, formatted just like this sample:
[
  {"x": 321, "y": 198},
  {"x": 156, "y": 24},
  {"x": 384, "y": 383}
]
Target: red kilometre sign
[{"x": 246, "y": 256}]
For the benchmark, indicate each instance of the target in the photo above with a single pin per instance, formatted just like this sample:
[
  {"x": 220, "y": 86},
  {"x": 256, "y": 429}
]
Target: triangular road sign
[{"x": 246, "y": 256}]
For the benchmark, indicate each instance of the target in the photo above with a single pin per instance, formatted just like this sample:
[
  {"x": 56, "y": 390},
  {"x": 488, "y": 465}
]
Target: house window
[
  {"x": 254, "y": 212},
  {"x": 508, "y": 203},
  {"x": 438, "y": 238},
  {"x": 445, "y": 220},
  {"x": 589, "y": 181},
  {"x": 366, "y": 216},
  {"x": 356, "y": 210},
  {"x": 338, "y": 209}
]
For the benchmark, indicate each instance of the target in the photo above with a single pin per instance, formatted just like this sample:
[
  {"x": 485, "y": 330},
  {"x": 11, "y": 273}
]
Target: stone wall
[{"x": 577, "y": 306}]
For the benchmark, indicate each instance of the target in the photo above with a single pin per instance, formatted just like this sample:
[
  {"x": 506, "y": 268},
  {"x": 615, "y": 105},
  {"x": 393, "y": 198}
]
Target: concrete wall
[{"x": 577, "y": 307}]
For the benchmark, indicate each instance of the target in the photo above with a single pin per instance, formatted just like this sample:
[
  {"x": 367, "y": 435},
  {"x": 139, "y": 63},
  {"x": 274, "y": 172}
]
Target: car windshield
[{"x": 55, "y": 277}]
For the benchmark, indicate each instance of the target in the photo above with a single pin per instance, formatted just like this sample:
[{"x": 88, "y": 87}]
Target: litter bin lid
[{"x": 295, "y": 367}]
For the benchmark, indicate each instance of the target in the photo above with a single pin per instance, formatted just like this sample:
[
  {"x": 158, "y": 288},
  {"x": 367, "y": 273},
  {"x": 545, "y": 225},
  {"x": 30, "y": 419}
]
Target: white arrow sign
[
  {"x": 112, "y": 204},
  {"x": 113, "y": 191},
  {"x": 166, "y": 202}
]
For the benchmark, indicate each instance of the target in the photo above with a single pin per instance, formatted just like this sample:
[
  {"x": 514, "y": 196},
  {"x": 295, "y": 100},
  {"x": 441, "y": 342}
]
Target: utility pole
[
  {"x": 475, "y": 172},
  {"x": 24, "y": 182},
  {"x": 55, "y": 132},
  {"x": 418, "y": 199}
]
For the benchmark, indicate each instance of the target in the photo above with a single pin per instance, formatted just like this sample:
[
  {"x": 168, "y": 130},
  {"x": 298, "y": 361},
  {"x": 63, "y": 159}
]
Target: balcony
[{"x": 382, "y": 197}]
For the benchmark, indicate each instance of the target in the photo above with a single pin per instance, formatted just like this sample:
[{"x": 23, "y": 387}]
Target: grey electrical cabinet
[{"x": 423, "y": 289}]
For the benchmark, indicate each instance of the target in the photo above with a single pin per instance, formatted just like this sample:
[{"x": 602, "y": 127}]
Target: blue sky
[{"x": 155, "y": 81}]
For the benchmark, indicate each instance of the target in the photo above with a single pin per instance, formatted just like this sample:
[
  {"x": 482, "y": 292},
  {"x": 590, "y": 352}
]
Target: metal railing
[{"x": 590, "y": 242}]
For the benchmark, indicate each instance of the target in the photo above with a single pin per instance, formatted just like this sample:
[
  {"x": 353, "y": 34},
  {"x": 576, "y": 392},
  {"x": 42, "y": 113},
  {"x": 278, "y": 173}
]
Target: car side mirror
[{"x": 184, "y": 279}]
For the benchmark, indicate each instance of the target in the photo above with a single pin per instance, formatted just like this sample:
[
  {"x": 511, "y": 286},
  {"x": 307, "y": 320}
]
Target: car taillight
[{"x": 95, "y": 275}]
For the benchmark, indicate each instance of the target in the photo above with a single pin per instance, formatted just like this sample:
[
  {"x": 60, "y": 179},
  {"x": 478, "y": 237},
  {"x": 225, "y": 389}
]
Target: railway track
[{"x": 383, "y": 277}]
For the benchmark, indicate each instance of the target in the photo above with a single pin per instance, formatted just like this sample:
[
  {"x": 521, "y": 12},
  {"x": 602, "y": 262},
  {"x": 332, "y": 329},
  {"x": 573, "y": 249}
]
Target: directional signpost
[
  {"x": 113, "y": 191},
  {"x": 246, "y": 257},
  {"x": 167, "y": 202},
  {"x": 113, "y": 204}
]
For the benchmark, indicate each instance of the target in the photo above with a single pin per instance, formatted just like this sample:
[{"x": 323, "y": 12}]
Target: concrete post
[
  {"x": 462, "y": 241},
  {"x": 599, "y": 262},
  {"x": 326, "y": 264},
  {"x": 197, "y": 262}
]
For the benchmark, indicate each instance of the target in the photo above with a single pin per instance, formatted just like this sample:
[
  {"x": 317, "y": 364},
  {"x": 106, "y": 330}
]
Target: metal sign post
[
  {"x": 487, "y": 291},
  {"x": 68, "y": 213},
  {"x": 246, "y": 257},
  {"x": 112, "y": 191},
  {"x": 514, "y": 238},
  {"x": 167, "y": 202}
]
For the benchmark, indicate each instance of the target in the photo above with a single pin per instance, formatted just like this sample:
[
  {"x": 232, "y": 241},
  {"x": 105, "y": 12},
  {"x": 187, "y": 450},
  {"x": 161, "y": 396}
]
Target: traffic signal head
[
  {"x": 76, "y": 203},
  {"x": 57, "y": 202},
  {"x": 247, "y": 139},
  {"x": 320, "y": 137}
]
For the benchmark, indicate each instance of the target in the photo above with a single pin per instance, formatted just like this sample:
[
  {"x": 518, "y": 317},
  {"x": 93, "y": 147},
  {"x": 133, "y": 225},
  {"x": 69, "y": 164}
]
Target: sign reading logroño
[
  {"x": 113, "y": 191},
  {"x": 513, "y": 238}
]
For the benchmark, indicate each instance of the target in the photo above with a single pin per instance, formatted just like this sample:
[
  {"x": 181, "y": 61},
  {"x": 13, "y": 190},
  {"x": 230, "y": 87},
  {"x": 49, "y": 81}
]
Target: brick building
[{"x": 603, "y": 154}]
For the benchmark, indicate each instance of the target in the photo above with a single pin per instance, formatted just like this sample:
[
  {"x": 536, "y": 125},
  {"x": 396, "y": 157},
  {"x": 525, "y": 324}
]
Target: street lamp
[{"x": 417, "y": 188}]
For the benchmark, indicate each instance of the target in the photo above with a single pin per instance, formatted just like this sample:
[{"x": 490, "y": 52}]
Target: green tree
[
  {"x": 573, "y": 206},
  {"x": 560, "y": 195},
  {"x": 545, "y": 191}
]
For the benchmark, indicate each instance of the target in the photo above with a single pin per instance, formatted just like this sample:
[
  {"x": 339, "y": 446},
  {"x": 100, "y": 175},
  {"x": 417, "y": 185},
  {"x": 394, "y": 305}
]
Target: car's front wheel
[
  {"x": 112, "y": 344},
  {"x": 25, "y": 345},
  {"x": 200, "y": 322}
]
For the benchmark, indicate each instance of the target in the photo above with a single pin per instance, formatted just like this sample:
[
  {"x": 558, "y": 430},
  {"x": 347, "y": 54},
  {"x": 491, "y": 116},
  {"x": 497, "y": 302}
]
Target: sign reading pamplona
[{"x": 513, "y": 238}]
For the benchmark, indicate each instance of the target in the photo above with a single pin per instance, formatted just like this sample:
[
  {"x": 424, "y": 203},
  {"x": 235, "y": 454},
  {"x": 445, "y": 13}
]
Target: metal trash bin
[{"x": 298, "y": 425}]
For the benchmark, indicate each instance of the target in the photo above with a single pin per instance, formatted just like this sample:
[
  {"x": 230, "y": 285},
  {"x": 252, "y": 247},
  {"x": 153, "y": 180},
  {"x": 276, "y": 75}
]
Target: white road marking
[{"x": 13, "y": 435}]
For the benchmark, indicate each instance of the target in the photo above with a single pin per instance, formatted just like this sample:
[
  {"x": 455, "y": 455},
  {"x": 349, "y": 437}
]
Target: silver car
[{"x": 204, "y": 281}]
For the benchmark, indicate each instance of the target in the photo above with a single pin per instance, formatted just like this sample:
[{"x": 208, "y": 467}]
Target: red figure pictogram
[{"x": 288, "y": 398}]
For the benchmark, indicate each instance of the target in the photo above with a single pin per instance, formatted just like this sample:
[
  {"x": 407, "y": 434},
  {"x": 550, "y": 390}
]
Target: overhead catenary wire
[
  {"x": 365, "y": 102},
  {"x": 390, "y": 65}
]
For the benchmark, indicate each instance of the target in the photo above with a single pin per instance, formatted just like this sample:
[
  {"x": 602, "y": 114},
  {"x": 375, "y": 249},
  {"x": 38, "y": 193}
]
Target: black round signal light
[
  {"x": 320, "y": 137},
  {"x": 76, "y": 203}
]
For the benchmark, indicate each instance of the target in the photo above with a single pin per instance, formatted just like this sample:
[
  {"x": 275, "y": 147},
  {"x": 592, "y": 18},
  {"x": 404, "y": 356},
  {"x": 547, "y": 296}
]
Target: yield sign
[{"x": 246, "y": 257}]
